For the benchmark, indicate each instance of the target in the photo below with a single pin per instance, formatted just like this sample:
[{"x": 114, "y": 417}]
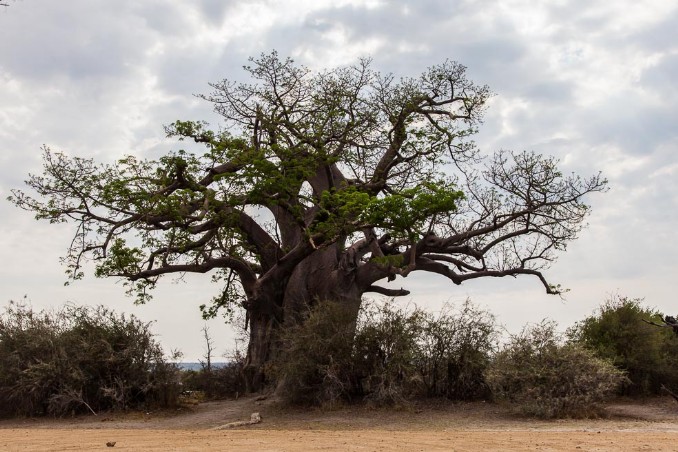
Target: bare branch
[{"x": 388, "y": 292}]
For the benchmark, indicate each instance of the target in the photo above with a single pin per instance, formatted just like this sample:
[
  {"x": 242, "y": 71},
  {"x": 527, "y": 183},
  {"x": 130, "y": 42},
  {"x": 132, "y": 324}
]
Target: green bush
[
  {"x": 80, "y": 359},
  {"x": 618, "y": 332},
  {"x": 543, "y": 376}
]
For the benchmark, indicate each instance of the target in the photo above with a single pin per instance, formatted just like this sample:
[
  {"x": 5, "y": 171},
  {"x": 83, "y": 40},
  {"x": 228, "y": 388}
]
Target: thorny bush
[
  {"x": 543, "y": 376},
  {"x": 392, "y": 355},
  {"x": 80, "y": 359},
  {"x": 316, "y": 365}
]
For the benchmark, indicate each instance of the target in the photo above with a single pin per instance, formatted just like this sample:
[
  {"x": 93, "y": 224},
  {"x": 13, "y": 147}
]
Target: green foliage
[
  {"x": 390, "y": 260},
  {"x": 618, "y": 332},
  {"x": 406, "y": 214},
  {"x": 542, "y": 376},
  {"x": 403, "y": 214},
  {"x": 341, "y": 211},
  {"x": 391, "y": 356},
  {"x": 120, "y": 257},
  {"x": 80, "y": 359}
]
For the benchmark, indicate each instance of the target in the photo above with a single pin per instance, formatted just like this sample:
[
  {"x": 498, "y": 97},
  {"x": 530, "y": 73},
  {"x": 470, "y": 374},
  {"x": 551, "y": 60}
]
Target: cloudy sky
[{"x": 592, "y": 82}]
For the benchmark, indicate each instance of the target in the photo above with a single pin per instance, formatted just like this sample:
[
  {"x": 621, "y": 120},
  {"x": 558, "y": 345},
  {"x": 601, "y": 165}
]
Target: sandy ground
[{"x": 628, "y": 426}]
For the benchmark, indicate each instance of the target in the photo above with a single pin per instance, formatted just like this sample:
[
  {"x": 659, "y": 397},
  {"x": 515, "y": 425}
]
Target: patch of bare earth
[{"x": 628, "y": 426}]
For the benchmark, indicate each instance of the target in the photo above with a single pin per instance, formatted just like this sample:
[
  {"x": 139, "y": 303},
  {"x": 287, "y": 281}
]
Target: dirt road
[
  {"x": 630, "y": 426},
  {"x": 327, "y": 440}
]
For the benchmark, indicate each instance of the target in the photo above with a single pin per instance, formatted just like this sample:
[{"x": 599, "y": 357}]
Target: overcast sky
[{"x": 592, "y": 82}]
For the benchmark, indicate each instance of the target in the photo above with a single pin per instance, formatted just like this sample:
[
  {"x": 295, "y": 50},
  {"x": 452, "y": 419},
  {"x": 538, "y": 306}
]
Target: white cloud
[{"x": 337, "y": 48}]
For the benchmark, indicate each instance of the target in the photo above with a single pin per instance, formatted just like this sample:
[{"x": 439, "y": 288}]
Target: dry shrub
[
  {"x": 453, "y": 351},
  {"x": 544, "y": 377},
  {"x": 314, "y": 366},
  {"x": 385, "y": 354},
  {"x": 217, "y": 382},
  {"x": 80, "y": 359},
  {"x": 391, "y": 355}
]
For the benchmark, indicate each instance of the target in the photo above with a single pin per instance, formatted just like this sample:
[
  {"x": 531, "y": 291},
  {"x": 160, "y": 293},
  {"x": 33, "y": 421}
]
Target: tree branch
[
  {"x": 388, "y": 292},
  {"x": 247, "y": 276}
]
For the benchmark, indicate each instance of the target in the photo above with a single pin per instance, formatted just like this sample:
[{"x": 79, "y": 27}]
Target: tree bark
[
  {"x": 262, "y": 333},
  {"x": 320, "y": 277}
]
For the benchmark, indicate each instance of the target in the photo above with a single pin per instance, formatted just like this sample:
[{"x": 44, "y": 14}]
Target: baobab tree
[{"x": 319, "y": 186}]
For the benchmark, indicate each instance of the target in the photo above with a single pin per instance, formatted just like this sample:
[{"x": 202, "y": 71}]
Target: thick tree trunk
[
  {"x": 263, "y": 330},
  {"x": 318, "y": 278}
]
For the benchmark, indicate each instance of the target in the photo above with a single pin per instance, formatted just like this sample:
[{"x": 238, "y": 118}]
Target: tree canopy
[{"x": 319, "y": 185}]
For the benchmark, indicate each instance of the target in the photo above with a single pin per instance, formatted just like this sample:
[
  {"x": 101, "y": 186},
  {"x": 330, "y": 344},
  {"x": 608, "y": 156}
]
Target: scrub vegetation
[{"x": 80, "y": 359}]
